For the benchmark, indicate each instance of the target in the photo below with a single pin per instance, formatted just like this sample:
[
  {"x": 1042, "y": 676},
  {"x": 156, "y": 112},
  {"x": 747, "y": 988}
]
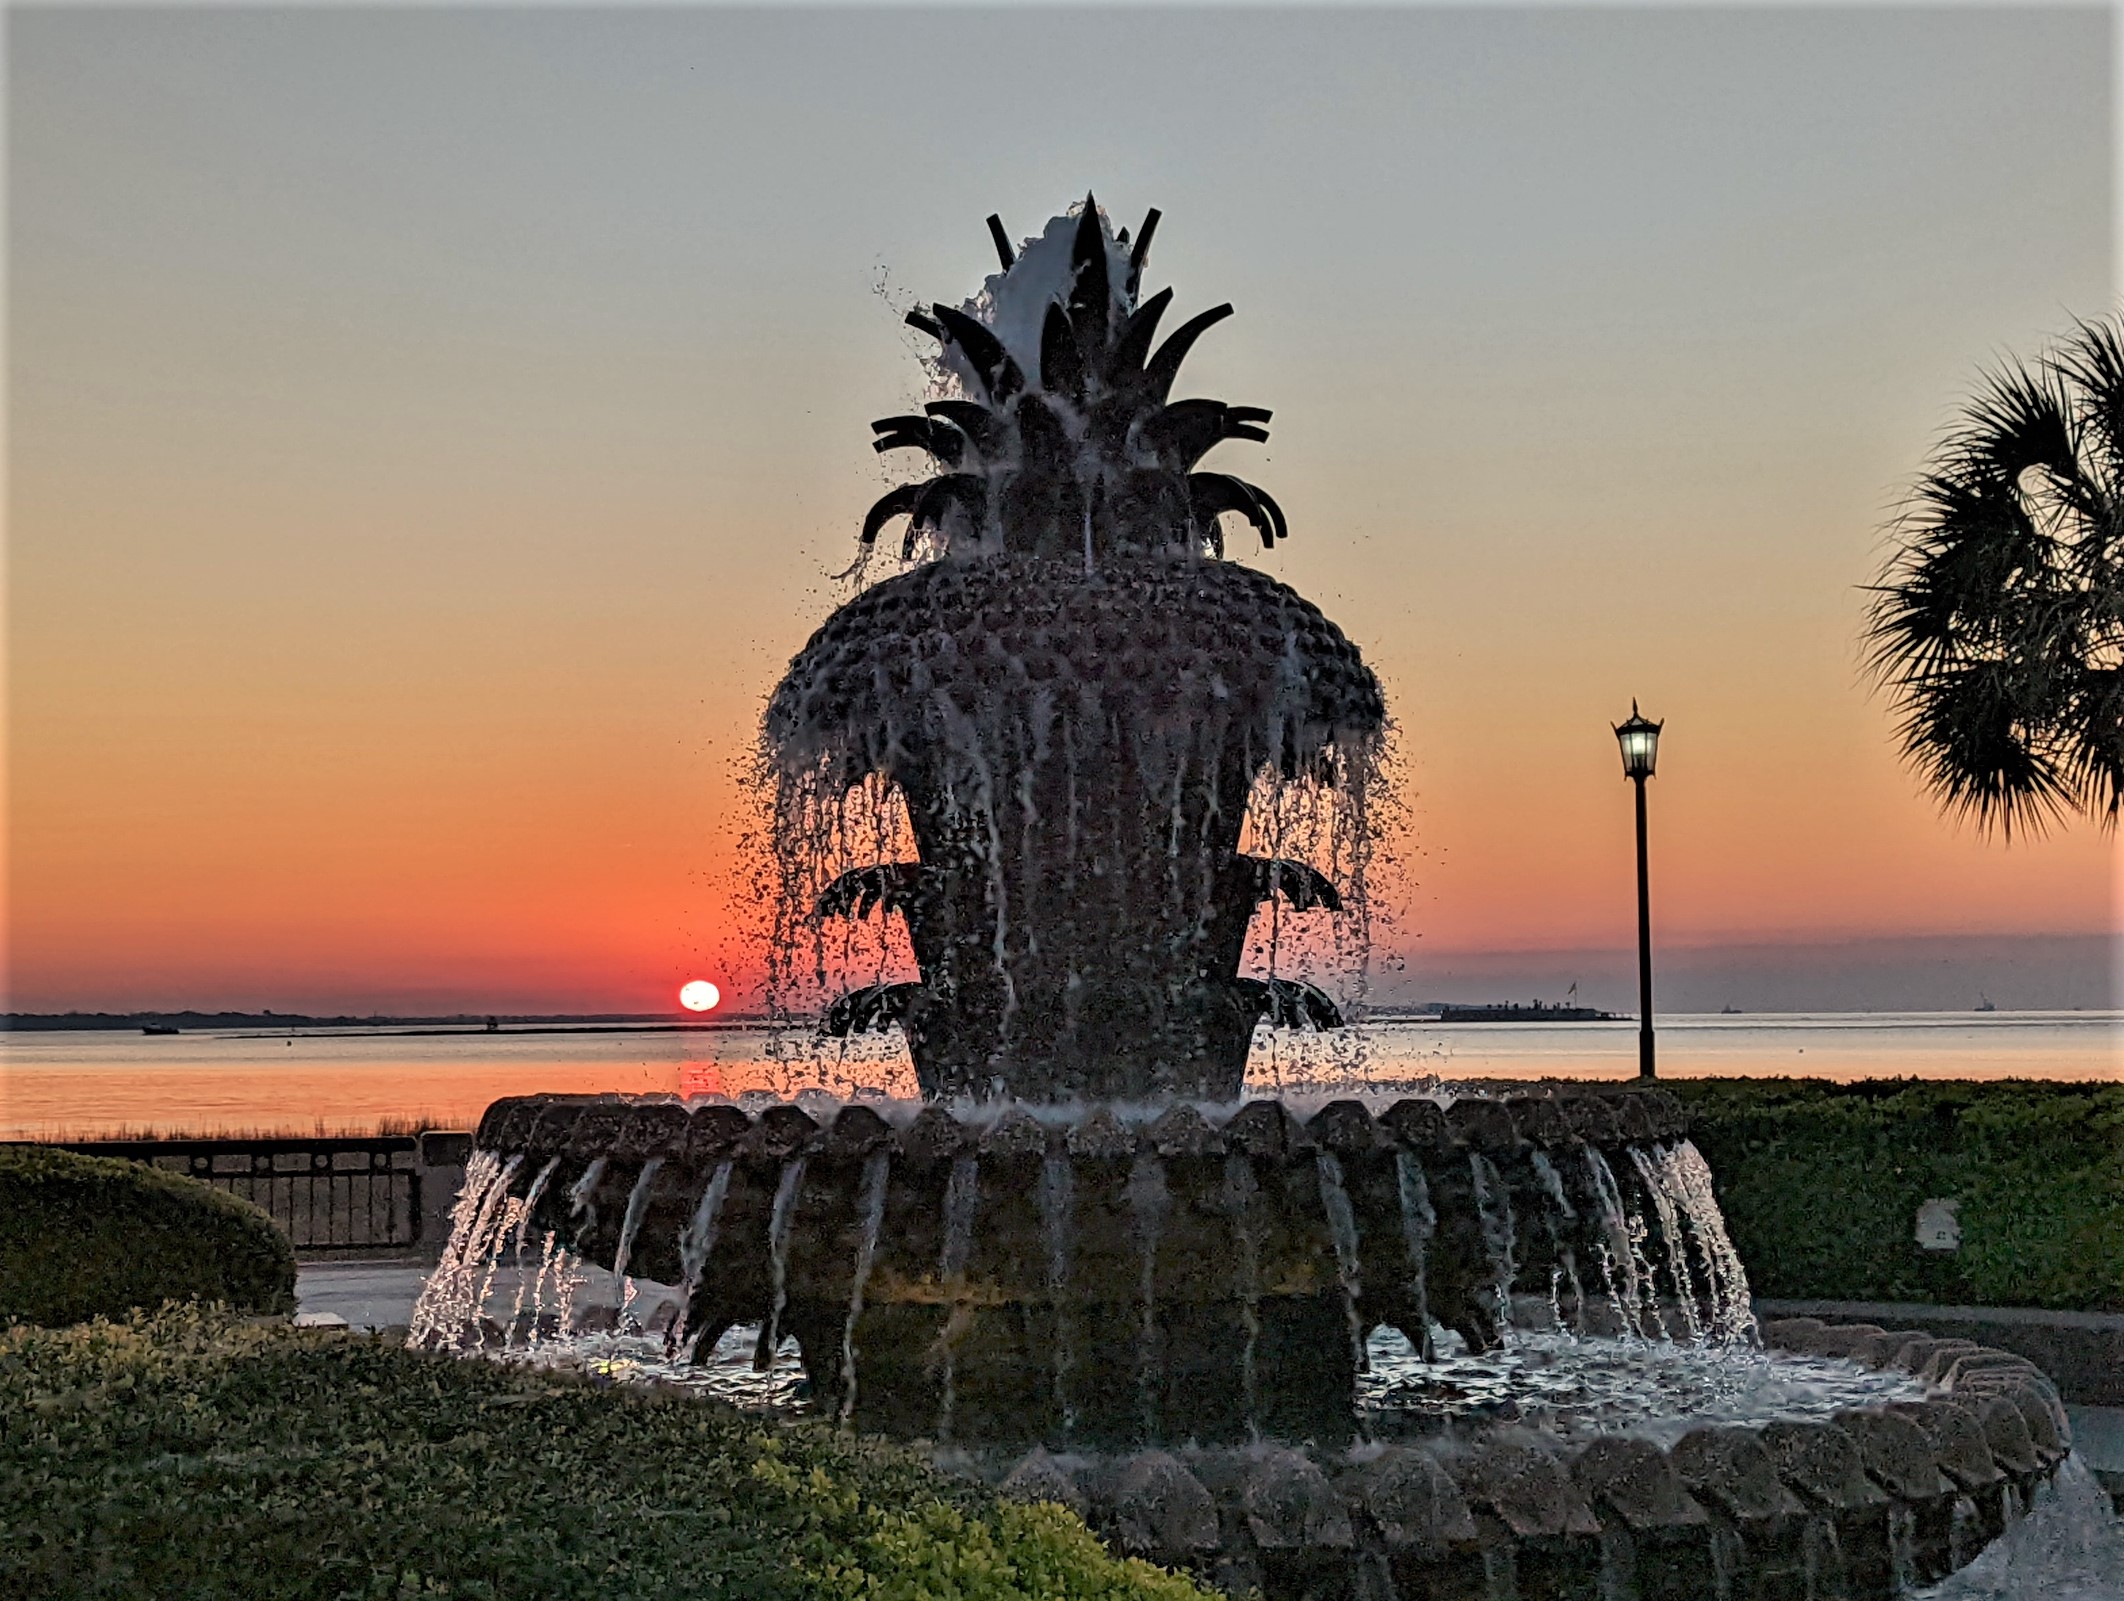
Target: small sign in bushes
[
  {"x": 1938, "y": 1229},
  {"x": 1829, "y": 1190}
]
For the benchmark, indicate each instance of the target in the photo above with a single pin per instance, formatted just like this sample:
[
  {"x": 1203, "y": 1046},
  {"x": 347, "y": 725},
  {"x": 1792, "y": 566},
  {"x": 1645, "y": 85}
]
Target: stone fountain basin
[
  {"x": 1870, "y": 1499},
  {"x": 1099, "y": 1276},
  {"x": 1866, "y": 1504},
  {"x": 1197, "y": 1409}
]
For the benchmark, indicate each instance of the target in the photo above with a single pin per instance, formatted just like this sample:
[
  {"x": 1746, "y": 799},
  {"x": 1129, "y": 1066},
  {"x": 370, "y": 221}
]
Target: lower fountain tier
[
  {"x": 1864, "y": 1505},
  {"x": 1102, "y": 1281}
]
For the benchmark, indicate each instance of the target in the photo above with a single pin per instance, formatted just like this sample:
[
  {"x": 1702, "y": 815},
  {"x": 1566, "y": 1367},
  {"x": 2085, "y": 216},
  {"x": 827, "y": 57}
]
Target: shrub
[
  {"x": 1821, "y": 1183},
  {"x": 88, "y": 1236},
  {"x": 187, "y": 1454}
]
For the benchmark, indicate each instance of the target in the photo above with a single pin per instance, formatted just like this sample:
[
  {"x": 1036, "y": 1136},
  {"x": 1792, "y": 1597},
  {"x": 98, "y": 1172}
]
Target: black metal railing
[{"x": 327, "y": 1194}]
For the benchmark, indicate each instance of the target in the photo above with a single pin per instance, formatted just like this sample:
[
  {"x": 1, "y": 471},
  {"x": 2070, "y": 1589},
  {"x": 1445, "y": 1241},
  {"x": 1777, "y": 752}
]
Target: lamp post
[{"x": 1639, "y": 738}]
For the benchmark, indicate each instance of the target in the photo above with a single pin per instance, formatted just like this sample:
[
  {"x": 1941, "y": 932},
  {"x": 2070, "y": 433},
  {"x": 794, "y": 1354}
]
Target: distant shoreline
[
  {"x": 477, "y": 1025},
  {"x": 324, "y": 1027}
]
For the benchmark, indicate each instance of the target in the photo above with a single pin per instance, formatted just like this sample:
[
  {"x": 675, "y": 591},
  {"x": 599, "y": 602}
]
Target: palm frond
[
  {"x": 2093, "y": 363},
  {"x": 1997, "y": 624}
]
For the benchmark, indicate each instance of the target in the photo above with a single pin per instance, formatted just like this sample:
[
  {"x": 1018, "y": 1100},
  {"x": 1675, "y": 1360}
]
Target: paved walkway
[
  {"x": 380, "y": 1295},
  {"x": 365, "y": 1295}
]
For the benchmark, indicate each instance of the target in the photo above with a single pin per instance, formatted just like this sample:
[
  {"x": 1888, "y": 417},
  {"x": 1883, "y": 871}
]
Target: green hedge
[
  {"x": 186, "y": 1454},
  {"x": 1821, "y": 1183},
  {"x": 88, "y": 1236}
]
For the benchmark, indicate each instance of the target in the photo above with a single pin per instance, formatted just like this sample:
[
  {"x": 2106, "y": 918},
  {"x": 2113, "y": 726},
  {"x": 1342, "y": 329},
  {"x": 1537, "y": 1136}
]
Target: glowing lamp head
[
  {"x": 699, "y": 996},
  {"x": 1639, "y": 738}
]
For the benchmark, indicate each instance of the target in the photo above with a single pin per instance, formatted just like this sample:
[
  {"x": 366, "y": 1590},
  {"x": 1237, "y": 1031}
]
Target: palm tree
[{"x": 1998, "y": 624}]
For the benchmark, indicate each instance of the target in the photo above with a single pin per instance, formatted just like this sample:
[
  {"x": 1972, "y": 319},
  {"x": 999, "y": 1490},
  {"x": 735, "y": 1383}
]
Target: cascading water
[
  {"x": 1418, "y": 1224},
  {"x": 532, "y": 1197},
  {"x": 1670, "y": 1235},
  {"x": 1375, "y": 1209},
  {"x": 449, "y": 1305},
  {"x": 781, "y": 1221},
  {"x": 1239, "y": 1192},
  {"x": 547, "y": 1248},
  {"x": 1493, "y": 1205},
  {"x": 1625, "y": 1233},
  {"x": 630, "y": 1223},
  {"x": 1565, "y": 1220},
  {"x": 962, "y": 1196},
  {"x": 1734, "y": 1308},
  {"x": 876, "y": 1170},
  {"x": 1342, "y": 1230},
  {"x": 697, "y": 1244},
  {"x": 1150, "y": 1204},
  {"x": 1057, "y": 1204}
]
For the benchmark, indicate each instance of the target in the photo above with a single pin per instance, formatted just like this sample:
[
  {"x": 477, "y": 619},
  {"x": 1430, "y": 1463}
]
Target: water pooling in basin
[{"x": 1574, "y": 1388}]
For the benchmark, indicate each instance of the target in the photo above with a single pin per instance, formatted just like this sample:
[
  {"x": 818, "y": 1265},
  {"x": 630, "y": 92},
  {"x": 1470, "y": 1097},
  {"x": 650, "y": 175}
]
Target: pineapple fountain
[{"x": 1082, "y": 1265}]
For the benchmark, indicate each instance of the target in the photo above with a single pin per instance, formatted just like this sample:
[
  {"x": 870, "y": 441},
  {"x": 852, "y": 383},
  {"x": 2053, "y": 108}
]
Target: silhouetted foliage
[{"x": 1999, "y": 622}]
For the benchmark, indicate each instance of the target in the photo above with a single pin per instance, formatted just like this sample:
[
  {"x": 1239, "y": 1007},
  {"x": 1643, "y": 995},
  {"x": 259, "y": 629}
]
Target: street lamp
[{"x": 1639, "y": 738}]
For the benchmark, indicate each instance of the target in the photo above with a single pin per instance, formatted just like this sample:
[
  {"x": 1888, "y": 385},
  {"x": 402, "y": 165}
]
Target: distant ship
[
  {"x": 1984, "y": 1003},
  {"x": 159, "y": 1028},
  {"x": 1538, "y": 1012},
  {"x": 1729, "y": 1010}
]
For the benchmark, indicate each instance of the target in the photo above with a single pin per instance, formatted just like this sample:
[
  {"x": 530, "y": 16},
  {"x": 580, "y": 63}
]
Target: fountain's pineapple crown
[
  {"x": 1072, "y": 525},
  {"x": 1062, "y": 438}
]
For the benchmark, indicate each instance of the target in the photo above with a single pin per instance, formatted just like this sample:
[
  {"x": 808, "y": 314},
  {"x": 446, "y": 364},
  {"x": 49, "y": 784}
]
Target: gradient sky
[{"x": 431, "y": 433}]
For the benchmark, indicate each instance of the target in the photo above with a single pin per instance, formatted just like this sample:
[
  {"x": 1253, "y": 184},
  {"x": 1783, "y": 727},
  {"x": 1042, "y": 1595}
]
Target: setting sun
[{"x": 699, "y": 996}]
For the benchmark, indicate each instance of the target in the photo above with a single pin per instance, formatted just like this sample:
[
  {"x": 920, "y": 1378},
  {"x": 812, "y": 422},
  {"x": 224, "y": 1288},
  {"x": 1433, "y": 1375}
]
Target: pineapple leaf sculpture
[
  {"x": 1077, "y": 699},
  {"x": 1086, "y": 453}
]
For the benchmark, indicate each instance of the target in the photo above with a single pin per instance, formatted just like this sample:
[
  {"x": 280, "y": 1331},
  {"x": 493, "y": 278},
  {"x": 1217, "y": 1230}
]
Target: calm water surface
[{"x": 86, "y": 1084}]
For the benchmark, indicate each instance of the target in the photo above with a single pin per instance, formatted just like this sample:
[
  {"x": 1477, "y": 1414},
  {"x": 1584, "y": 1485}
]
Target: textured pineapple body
[{"x": 1077, "y": 748}]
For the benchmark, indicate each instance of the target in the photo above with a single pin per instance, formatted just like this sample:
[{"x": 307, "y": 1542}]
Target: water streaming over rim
[
  {"x": 2069, "y": 1547},
  {"x": 877, "y": 1168},
  {"x": 547, "y": 1247},
  {"x": 1493, "y": 1206},
  {"x": 1624, "y": 1236},
  {"x": 449, "y": 1306},
  {"x": 1726, "y": 1553},
  {"x": 1675, "y": 1250},
  {"x": 962, "y": 1197},
  {"x": 1560, "y": 1225},
  {"x": 631, "y": 1219},
  {"x": 1239, "y": 1194},
  {"x": 580, "y": 1194},
  {"x": 1057, "y": 1206},
  {"x": 1418, "y": 1223},
  {"x": 1902, "y": 1549},
  {"x": 1342, "y": 1231},
  {"x": 568, "y": 1278},
  {"x": 697, "y": 1244},
  {"x": 781, "y": 1221},
  {"x": 1617, "y": 1266},
  {"x": 1734, "y": 1306},
  {"x": 1149, "y": 1204},
  {"x": 539, "y": 1181}
]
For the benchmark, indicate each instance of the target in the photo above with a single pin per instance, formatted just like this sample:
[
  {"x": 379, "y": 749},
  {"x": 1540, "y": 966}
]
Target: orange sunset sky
[{"x": 431, "y": 432}]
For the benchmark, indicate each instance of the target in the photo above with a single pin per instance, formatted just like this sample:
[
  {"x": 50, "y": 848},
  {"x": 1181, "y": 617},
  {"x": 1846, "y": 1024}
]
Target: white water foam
[
  {"x": 2069, "y": 1547},
  {"x": 1576, "y": 1388}
]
